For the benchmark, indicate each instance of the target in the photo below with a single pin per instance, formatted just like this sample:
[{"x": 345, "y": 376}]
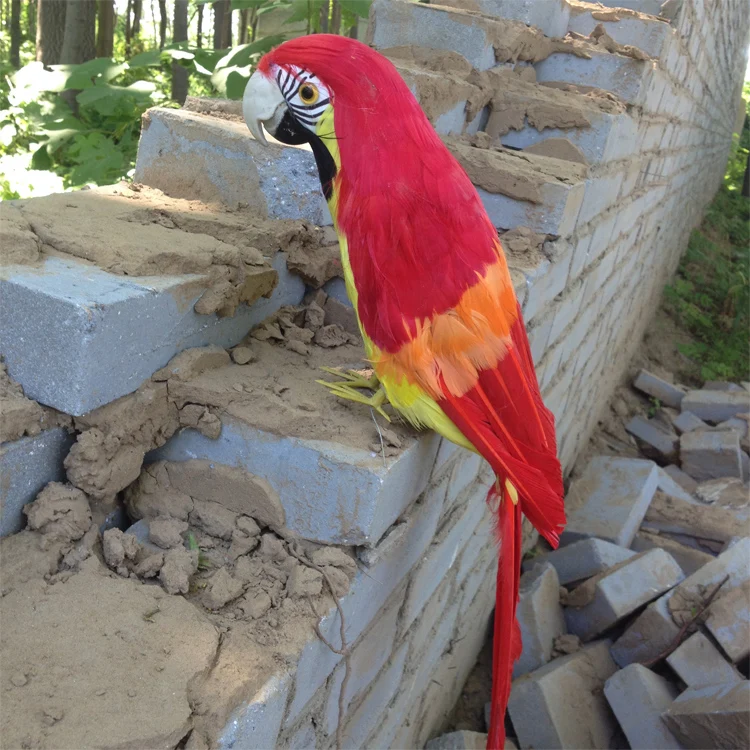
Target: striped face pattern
[{"x": 305, "y": 95}]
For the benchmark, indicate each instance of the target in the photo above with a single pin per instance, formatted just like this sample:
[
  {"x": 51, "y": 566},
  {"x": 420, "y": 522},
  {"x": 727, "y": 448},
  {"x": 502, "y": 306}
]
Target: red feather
[{"x": 418, "y": 238}]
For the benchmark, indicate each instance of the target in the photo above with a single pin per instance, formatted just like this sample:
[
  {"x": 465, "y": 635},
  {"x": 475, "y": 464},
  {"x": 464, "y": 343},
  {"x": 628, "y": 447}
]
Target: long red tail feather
[{"x": 506, "y": 647}]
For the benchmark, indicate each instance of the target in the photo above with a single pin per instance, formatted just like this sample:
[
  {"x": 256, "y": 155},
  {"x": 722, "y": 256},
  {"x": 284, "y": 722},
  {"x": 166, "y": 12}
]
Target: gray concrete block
[
  {"x": 651, "y": 385},
  {"x": 556, "y": 212},
  {"x": 366, "y": 660},
  {"x": 685, "y": 482},
  {"x": 650, "y": 635},
  {"x": 594, "y": 141},
  {"x": 76, "y": 337},
  {"x": 551, "y": 17},
  {"x": 656, "y": 628},
  {"x": 256, "y": 724},
  {"x": 649, "y": 35},
  {"x": 729, "y": 622},
  {"x": 688, "y": 558},
  {"x": 711, "y": 455},
  {"x": 544, "y": 194},
  {"x": 27, "y": 466},
  {"x": 712, "y": 716},
  {"x": 620, "y": 592},
  {"x": 539, "y": 616},
  {"x": 199, "y": 157},
  {"x": 716, "y": 406},
  {"x": 652, "y": 7},
  {"x": 614, "y": 495},
  {"x": 364, "y": 720},
  {"x": 442, "y": 555},
  {"x": 622, "y": 76},
  {"x": 562, "y": 703},
  {"x": 463, "y": 740},
  {"x": 698, "y": 662},
  {"x": 670, "y": 485},
  {"x": 638, "y": 697},
  {"x": 394, "y": 23},
  {"x": 355, "y": 495},
  {"x": 686, "y": 421},
  {"x": 654, "y": 441},
  {"x": 582, "y": 559},
  {"x": 369, "y": 591}
]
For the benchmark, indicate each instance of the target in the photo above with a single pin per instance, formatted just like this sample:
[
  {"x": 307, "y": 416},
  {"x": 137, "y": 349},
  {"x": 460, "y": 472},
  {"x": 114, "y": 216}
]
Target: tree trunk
[
  {"x": 244, "y": 35},
  {"x": 137, "y": 13},
  {"x": 163, "y": 23},
  {"x": 105, "y": 37},
  {"x": 200, "y": 26},
  {"x": 15, "y": 33},
  {"x": 324, "y": 12},
  {"x": 254, "y": 24},
  {"x": 79, "y": 41},
  {"x": 32, "y": 13},
  {"x": 50, "y": 27},
  {"x": 222, "y": 24},
  {"x": 336, "y": 17},
  {"x": 180, "y": 34}
]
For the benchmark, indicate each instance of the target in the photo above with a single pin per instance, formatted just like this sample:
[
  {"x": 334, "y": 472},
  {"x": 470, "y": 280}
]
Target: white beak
[{"x": 262, "y": 105}]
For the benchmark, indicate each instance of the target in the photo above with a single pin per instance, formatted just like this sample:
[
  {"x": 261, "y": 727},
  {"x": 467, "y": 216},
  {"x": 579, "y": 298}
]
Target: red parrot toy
[{"x": 428, "y": 279}]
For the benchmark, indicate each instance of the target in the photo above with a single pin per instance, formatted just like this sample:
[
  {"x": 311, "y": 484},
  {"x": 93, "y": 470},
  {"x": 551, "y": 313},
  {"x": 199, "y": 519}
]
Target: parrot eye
[
  {"x": 308, "y": 93},
  {"x": 306, "y": 96}
]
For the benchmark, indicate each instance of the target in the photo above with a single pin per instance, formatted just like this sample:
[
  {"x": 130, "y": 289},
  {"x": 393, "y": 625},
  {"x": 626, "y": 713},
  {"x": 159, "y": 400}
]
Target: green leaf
[
  {"x": 243, "y": 54},
  {"x": 359, "y": 8},
  {"x": 41, "y": 159},
  {"x": 86, "y": 74},
  {"x": 236, "y": 82},
  {"x": 148, "y": 59},
  {"x": 244, "y": 4}
]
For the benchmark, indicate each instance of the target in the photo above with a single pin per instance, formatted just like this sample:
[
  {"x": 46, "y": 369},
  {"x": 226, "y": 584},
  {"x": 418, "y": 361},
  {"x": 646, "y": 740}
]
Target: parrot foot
[
  {"x": 349, "y": 393},
  {"x": 353, "y": 379}
]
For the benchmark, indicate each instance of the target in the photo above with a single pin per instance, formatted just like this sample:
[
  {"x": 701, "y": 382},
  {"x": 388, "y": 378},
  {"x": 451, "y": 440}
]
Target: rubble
[
  {"x": 582, "y": 559},
  {"x": 654, "y": 441},
  {"x": 602, "y": 601},
  {"x": 688, "y": 558},
  {"x": 697, "y": 662},
  {"x": 638, "y": 697},
  {"x": 562, "y": 703},
  {"x": 540, "y": 617},
  {"x": 710, "y": 455},
  {"x": 686, "y": 421},
  {"x": 667, "y": 393},
  {"x": 712, "y": 716},
  {"x": 713, "y": 522},
  {"x": 716, "y": 406},
  {"x": 612, "y": 497}
]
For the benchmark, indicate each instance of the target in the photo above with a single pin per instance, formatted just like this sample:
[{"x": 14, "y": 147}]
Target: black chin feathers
[{"x": 292, "y": 133}]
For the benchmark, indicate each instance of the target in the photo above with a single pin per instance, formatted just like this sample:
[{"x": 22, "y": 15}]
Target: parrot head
[{"x": 341, "y": 97}]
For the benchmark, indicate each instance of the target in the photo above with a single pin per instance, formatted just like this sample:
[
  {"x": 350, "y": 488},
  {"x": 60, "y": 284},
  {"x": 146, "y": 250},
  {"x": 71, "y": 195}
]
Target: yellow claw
[
  {"x": 349, "y": 393},
  {"x": 353, "y": 379}
]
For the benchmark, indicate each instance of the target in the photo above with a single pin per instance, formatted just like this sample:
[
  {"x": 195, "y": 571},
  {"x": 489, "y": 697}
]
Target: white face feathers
[{"x": 290, "y": 89}]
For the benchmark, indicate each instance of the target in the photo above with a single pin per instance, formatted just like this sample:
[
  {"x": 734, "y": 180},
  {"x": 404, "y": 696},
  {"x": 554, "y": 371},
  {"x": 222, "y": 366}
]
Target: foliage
[
  {"x": 73, "y": 125},
  {"x": 710, "y": 296}
]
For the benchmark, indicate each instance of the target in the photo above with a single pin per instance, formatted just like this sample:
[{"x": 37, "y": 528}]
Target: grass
[{"x": 710, "y": 295}]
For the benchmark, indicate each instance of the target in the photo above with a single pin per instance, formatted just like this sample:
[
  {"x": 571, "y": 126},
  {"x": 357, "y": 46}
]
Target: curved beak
[{"x": 262, "y": 106}]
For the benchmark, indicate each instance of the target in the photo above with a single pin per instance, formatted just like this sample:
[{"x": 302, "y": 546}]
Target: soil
[
  {"x": 513, "y": 173},
  {"x": 137, "y": 231},
  {"x": 22, "y": 417}
]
